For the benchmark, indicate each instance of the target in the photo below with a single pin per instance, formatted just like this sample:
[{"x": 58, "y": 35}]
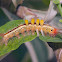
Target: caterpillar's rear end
[{"x": 1, "y": 40}]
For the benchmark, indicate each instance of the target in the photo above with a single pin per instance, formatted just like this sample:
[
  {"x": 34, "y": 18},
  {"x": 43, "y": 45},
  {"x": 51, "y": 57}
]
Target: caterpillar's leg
[
  {"x": 33, "y": 30},
  {"x": 17, "y": 35},
  {"x": 45, "y": 34},
  {"x": 52, "y": 35},
  {"x": 28, "y": 33},
  {"x": 23, "y": 32},
  {"x": 42, "y": 32},
  {"x": 5, "y": 40},
  {"x": 28, "y": 30},
  {"x": 37, "y": 32}
]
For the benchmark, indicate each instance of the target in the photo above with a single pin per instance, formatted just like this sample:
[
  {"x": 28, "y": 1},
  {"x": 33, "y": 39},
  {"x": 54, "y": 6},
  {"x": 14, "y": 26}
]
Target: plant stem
[
  {"x": 49, "y": 10},
  {"x": 59, "y": 8}
]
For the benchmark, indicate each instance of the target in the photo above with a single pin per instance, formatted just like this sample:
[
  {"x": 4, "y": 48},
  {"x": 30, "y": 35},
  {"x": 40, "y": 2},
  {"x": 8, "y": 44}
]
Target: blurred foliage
[
  {"x": 3, "y": 17},
  {"x": 14, "y": 42},
  {"x": 46, "y": 2},
  {"x": 56, "y": 1},
  {"x": 59, "y": 8},
  {"x": 12, "y": 8},
  {"x": 35, "y": 4},
  {"x": 60, "y": 20}
]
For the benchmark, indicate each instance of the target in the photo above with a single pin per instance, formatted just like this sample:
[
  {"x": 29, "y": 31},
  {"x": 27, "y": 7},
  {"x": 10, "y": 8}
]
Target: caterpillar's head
[
  {"x": 52, "y": 30},
  {"x": 55, "y": 31},
  {"x": 49, "y": 29}
]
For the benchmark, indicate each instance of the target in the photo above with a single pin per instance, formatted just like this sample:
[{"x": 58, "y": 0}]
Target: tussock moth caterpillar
[{"x": 37, "y": 27}]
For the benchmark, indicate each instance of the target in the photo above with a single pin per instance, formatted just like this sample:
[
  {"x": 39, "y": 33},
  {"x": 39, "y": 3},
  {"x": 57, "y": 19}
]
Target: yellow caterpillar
[{"x": 37, "y": 27}]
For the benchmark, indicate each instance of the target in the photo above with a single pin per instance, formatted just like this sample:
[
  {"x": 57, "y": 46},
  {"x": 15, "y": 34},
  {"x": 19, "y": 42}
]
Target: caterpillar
[{"x": 37, "y": 27}]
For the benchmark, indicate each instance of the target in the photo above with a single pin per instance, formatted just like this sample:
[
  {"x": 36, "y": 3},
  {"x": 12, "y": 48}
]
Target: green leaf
[
  {"x": 56, "y": 1},
  {"x": 60, "y": 20},
  {"x": 59, "y": 8},
  {"x": 10, "y": 25},
  {"x": 50, "y": 39}
]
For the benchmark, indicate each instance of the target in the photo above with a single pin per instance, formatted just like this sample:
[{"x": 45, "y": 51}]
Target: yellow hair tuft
[
  {"x": 41, "y": 22},
  {"x": 32, "y": 21},
  {"x": 37, "y": 22},
  {"x": 26, "y": 22}
]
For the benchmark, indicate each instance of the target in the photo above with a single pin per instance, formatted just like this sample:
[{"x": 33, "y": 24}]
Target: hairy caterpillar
[{"x": 39, "y": 26}]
